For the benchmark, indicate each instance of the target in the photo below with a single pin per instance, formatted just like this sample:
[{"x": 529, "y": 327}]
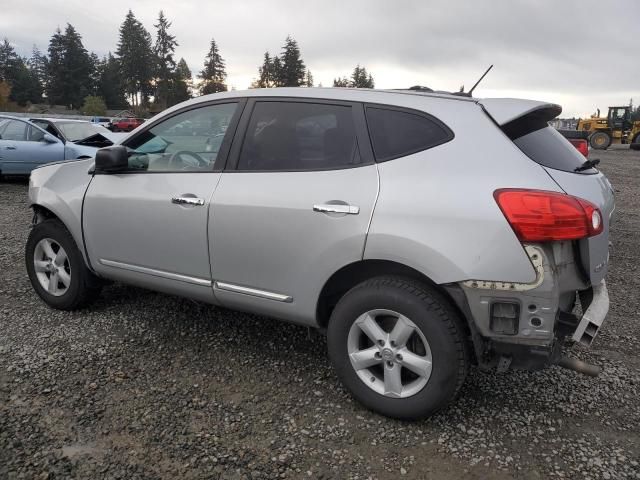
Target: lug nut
[
  {"x": 393, "y": 343},
  {"x": 399, "y": 357},
  {"x": 381, "y": 343},
  {"x": 377, "y": 355}
]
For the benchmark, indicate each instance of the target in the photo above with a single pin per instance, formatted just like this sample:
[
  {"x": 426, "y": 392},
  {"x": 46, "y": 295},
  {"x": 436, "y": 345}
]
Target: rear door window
[
  {"x": 398, "y": 133},
  {"x": 299, "y": 136},
  {"x": 549, "y": 148}
]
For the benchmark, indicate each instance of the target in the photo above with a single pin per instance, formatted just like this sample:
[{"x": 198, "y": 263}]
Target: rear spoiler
[{"x": 519, "y": 117}]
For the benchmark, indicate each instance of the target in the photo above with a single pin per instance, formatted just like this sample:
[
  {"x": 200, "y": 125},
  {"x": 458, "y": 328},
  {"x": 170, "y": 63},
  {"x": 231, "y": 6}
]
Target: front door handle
[
  {"x": 10, "y": 147},
  {"x": 333, "y": 208},
  {"x": 188, "y": 201}
]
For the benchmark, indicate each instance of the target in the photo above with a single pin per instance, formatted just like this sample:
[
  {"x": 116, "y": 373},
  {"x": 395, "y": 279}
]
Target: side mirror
[
  {"x": 112, "y": 159},
  {"x": 49, "y": 138}
]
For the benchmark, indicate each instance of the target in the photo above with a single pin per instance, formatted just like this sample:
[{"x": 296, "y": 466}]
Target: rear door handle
[
  {"x": 331, "y": 208},
  {"x": 10, "y": 147},
  {"x": 188, "y": 201}
]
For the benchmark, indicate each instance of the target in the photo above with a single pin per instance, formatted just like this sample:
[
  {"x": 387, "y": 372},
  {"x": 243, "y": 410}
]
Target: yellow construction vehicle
[{"x": 616, "y": 127}]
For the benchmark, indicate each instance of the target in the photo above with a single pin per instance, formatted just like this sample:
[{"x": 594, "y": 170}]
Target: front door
[
  {"x": 23, "y": 147},
  {"x": 148, "y": 225},
  {"x": 295, "y": 208}
]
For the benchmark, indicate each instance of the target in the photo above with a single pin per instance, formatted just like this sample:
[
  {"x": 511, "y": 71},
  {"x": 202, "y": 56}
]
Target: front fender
[{"x": 60, "y": 188}]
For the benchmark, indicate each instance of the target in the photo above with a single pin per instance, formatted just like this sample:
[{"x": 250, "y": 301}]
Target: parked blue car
[{"x": 25, "y": 144}]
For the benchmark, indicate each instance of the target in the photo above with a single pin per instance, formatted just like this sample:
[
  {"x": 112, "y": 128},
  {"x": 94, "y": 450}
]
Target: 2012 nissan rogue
[{"x": 423, "y": 232}]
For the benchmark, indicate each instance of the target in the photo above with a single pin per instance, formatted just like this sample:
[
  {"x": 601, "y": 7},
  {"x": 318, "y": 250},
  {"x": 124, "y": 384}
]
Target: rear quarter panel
[{"x": 436, "y": 211}]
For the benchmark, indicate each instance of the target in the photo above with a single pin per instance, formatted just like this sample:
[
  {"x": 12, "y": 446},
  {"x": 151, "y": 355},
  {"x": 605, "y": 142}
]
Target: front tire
[
  {"x": 398, "y": 347},
  {"x": 600, "y": 141},
  {"x": 56, "y": 268}
]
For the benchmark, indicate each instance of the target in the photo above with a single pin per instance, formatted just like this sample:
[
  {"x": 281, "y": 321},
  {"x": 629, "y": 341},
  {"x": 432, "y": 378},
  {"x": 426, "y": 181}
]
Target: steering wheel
[{"x": 196, "y": 160}]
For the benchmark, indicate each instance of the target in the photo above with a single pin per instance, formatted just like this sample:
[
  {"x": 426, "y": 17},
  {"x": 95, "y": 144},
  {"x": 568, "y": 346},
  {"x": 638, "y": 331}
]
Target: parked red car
[{"x": 126, "y": 124}]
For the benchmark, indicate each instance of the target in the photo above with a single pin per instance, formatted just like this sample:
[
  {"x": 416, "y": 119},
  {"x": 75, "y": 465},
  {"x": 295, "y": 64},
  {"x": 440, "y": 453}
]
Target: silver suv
[{"x": 422, "y": 232}]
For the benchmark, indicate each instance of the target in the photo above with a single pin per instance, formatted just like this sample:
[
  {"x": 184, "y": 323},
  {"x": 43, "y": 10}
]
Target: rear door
[
  {"x": 293, "y": 207},
  {"x": 525, "y": 122}
]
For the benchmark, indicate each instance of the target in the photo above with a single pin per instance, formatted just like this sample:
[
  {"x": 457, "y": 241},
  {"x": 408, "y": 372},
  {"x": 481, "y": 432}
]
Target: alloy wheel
[
  {"x": 52, "y": 267},
  {"x": 389, "y": 353}
]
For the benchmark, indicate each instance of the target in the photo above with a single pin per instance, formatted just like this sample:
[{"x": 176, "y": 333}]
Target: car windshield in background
[
  {"x": 550, "y": 149},
  {"x": 75, "y": 131}
]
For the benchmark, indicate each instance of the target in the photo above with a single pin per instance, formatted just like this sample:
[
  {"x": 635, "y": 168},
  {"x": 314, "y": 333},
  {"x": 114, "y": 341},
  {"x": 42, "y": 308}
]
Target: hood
[{"x": 101, "y": 139}]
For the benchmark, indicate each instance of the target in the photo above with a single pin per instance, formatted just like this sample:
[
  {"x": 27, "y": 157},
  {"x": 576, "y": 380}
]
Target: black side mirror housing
[{"x": 112, "y": 159}]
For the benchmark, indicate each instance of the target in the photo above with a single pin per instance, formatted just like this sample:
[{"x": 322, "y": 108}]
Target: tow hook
[{"x": 579, "y": 366}]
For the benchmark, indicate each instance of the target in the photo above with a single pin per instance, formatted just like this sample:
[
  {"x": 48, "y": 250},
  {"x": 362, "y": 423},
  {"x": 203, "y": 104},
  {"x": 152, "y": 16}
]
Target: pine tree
[
  {"x": 293, "y": 68},
  {"x": 96, "y": 68},
  {"x": 341, "y": 82},
  {"x": 8, "y": 61},
  {"x": 164, "y": 50},
  {"x": 308, "y": 81},
  {"x": 214, "y": 74},
  {"x": 38, "y": 66},
  {"x": 360, "y": 78},
  {"x": 110, "y": 84},
  {"x": 266, "y": 74},
  {"x": 55, "y": 67},
  {"x": 182, "y": 84},
  {"x": 136, "y": 60},
  {"x": 76, "y": 69}
]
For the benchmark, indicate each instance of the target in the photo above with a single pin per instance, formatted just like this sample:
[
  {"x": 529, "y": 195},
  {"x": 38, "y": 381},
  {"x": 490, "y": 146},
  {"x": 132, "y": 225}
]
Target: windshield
[{"x": 74, "y": 131}]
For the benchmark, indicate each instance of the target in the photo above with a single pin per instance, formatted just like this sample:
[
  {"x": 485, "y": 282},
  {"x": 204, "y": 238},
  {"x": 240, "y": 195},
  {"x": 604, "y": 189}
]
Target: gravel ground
[{"x": 145, "y": 385}]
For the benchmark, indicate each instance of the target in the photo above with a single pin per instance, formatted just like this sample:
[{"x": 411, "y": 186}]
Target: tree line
[{"x": 142, "y": 73}]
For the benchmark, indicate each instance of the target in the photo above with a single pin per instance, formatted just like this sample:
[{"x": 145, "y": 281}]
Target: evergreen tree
[
  {"x": 38, "y": 66},
  {"x": 136, "y": 60},
  {"x": 164, "y": 50},
  {"x": 293, "y": 69},
  {"x": 182, "y": 84},
  {"x": 276, "y": 68},
  {"x": 214, "y": 74},
  {"x": 341, "y": 82},
  {"x": 8, "y": 59},
  {"x": 24, "y": 84},
  {"x": 360, "y": 78},
  {"x": 55, "y": 67},
  {"x": 76, "y": 69},
  {"x": 266, "y": 75},
  {"x": 110, "y": 84},
  {"x": 95, "y": 72},
  {"x": 308, "y": 81}
]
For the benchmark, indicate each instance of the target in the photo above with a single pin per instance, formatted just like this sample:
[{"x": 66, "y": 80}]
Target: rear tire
[
  {"x": 600, "y": 141},
  {"x": 420, "y": 361},
  {"x": 56, "y": 267}
]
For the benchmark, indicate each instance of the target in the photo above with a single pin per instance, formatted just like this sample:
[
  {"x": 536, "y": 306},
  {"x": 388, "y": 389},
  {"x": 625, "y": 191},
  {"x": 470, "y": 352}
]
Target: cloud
[{"x": 576, "y": 52}]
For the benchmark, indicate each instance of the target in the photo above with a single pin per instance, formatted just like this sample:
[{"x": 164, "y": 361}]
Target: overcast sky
[{"x": 581, "y": 54}]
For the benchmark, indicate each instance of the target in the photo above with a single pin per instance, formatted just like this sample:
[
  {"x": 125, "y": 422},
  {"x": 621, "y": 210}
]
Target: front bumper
[{"x": 593, "y": 317}]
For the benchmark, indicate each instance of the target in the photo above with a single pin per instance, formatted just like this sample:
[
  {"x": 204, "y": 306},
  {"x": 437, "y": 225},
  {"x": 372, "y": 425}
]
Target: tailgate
[{"x": 525, "y": 122}]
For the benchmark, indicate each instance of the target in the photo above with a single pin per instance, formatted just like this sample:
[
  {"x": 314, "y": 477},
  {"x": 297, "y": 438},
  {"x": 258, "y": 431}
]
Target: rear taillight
[
  {"x": 541, "y": 216},
  {"x": 581, "y": 145}
]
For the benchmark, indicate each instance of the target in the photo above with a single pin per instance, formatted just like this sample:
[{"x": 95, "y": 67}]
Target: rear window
[
  {"x": 549, "y": 148},
  {"x": 397, "y": 133}
]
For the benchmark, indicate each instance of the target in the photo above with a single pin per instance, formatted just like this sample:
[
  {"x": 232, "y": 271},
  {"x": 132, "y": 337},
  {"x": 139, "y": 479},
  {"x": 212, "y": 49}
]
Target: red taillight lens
[
  {"x": 541, "y": 216},
  {"x": 581, "y": 145}
]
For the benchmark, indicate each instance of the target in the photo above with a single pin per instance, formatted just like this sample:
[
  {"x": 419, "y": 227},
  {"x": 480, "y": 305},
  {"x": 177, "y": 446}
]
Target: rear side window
[
  {"x": 397, "y": 133},
  {"x": 299, "y": 136},
  {"x": 549, "y": 148}
]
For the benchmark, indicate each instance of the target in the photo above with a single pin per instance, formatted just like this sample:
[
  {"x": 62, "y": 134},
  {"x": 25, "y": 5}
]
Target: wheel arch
[{"x": 355, "y": 273}]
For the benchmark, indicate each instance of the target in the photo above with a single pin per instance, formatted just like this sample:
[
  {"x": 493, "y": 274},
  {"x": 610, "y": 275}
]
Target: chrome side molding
[
  {"x": 156, "y": 273},
  {"x": 230, "y": 287}
]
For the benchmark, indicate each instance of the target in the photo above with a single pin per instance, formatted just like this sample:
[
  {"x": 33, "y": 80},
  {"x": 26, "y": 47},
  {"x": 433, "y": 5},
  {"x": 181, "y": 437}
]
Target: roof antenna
[{"x": 468, "y": 94}]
